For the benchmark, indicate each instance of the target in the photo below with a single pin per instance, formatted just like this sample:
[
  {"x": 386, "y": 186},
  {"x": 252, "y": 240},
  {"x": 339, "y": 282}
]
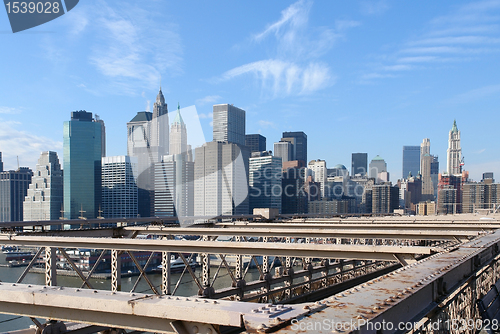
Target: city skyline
[{"x": 377, "y": 75}]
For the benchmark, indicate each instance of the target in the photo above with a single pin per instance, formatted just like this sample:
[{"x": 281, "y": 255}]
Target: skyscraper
[
  {"x": 299, "y": 142},
  {"x": 265, "y": 181},
  {"x": 159, "y": 128},
  {"x": 13, "y": 188},
  {"x": 174, "y": 186},
  {"x": 284, "y": 150},
  {"x": 319, "y": 173},
  {"x": 377, "y": 166},
  {"x": 119, "y": 187},
  {"x": 255, "y": 142},
  {"x": 82, "y": 165},
  {"x": 103, "y": 135},
  {"x": 359, "y": 164},
  {"x": 411, "y": 161},
  {"x": 178, "y": 135},
  {"x": 221, "y": 172},
  {"x": 454, "y": 151},
  {"x": 44, "y": 199},
  {"x": 1, "y": 163},
  {"x": 139, "y": 146},
  {"x": 294, "y": 198},
  {"x": 229, "y": 124}
]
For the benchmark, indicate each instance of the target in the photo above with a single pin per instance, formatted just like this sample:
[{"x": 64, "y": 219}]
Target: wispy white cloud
[
  {"x": 135, "y": 48},
  {"x": 466, "y": 33},
  {"x": 266, "y": 124},
  {"x": 208, "y": 99},
  {"x": 374, "y": 7},
  {"x": 9, "y": 110},
  {"x": 296, "y": 66},
  {"x": 23, "y": 144},
  {"x": 204, "y": 116},
  {"x": 475, "y": 94},
  {"x": 284, "y": 78},
  {"x": 130, "y": 51}
]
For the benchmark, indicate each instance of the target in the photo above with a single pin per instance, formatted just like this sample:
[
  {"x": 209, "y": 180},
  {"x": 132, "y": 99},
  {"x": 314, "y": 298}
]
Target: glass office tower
[{"x": 82, "y": 165}]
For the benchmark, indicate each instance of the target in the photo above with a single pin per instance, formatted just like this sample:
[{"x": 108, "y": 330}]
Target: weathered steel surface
[{"x": 362, "y": 252}]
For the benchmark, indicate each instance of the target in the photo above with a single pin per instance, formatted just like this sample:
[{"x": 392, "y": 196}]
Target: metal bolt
[
  {"x": 214, "y": 302},
  {"x": 195, "y": 329}
]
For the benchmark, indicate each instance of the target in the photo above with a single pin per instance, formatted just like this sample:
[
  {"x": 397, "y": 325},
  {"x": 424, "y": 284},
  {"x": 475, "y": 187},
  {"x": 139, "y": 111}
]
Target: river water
[{"x": 187, "y": 287}]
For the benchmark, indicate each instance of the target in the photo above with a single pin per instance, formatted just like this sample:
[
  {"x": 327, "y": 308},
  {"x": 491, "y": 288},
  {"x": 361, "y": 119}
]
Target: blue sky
[{"x": 356, "y": 76}]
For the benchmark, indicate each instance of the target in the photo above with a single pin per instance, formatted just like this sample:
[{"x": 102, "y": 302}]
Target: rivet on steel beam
[
  {"x": 14, "y": 284},
  {"x": 255, "y": 311},
  {"x": 214, "y": 302},
  {"x": 77, "y": 290},
  {"x": 95, "y": 291},
  {"x": 306, "y": 307},
  {"x": 195, "y": 329}
]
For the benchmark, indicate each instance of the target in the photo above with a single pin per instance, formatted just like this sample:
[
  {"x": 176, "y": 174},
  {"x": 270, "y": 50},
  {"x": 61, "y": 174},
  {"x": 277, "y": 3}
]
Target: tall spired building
[
  {"x": 159, "y": 128},
  {"x": 454, "y": 151},
  {"x": 178, "y": 135}
]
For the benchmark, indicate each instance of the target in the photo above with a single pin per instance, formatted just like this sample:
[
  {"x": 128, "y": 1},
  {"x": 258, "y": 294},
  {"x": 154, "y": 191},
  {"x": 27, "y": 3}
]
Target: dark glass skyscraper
[
  {"x": 411, "y": 161},
  {"x": 359, "y": 163},
  {"x": 13, "y": 188},
  {"x": 255, "y": 142},
  {"x": 299, "y": 142},
  {"x": 82, "y": 165}
]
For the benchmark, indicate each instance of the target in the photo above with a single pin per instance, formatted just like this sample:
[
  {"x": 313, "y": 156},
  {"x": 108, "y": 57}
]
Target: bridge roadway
[{"x": 437, "y": 281}]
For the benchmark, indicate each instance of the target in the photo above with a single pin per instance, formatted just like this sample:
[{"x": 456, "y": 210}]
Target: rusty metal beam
[
  {"x": 364, "y": 232},
  {"x": 360, "y": 252}
]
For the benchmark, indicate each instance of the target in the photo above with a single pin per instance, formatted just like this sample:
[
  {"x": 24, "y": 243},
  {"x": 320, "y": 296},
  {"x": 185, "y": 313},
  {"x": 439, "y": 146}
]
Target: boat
[
  {"x": 18, "y": 255},
  {"x": 7, "y": 249},
  {"x": 177, "y": 265}
]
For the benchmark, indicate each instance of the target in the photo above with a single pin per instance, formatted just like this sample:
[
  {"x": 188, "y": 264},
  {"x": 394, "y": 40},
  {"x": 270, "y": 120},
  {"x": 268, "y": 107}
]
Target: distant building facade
[
  {"x": 119, "y": 187},
  {"x": 82, "y": 145},
  {"x": 318, "y": 171},
  {"x": 221, "y": 179},
  {"x": 359, "y": 164},
  {"x": 411, "y": 161},
  {"x": 229, "y": 124},
  {"x": 284, "y": 150},
  {"x": 385, "y": 198},
  {"x": 178, "y": 135},
  {"x": 377, "y": 166},
  {"x": 454, "y": 151},
  {"x": 255, "y": 142},
  {"x": 294, "y": 196},
  {"x": 265, "y": 181},
  {"x": 299, "y": 141},
  {"x": 174, "y": 186},
  {"x": 44, "y": 199},
  {"x": 13, "y": 189}
]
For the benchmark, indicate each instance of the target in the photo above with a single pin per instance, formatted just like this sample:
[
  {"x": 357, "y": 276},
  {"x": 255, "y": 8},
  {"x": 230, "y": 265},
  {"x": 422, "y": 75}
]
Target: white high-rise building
[
  {"x": 221, "y": 186},
  {"x": 284, "y": 150},
  {"x": 44, "y": 199},
  {"x": 178, "y": 135},
  {"x": 454, "y": 151},
  {"x": 174, "y": 186},
  {"x": 319, "y": 173},
  {"x": 119, "y": 187},
  {"x": 159, "y": 128},
  {"x": 229, "y": 124}
]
